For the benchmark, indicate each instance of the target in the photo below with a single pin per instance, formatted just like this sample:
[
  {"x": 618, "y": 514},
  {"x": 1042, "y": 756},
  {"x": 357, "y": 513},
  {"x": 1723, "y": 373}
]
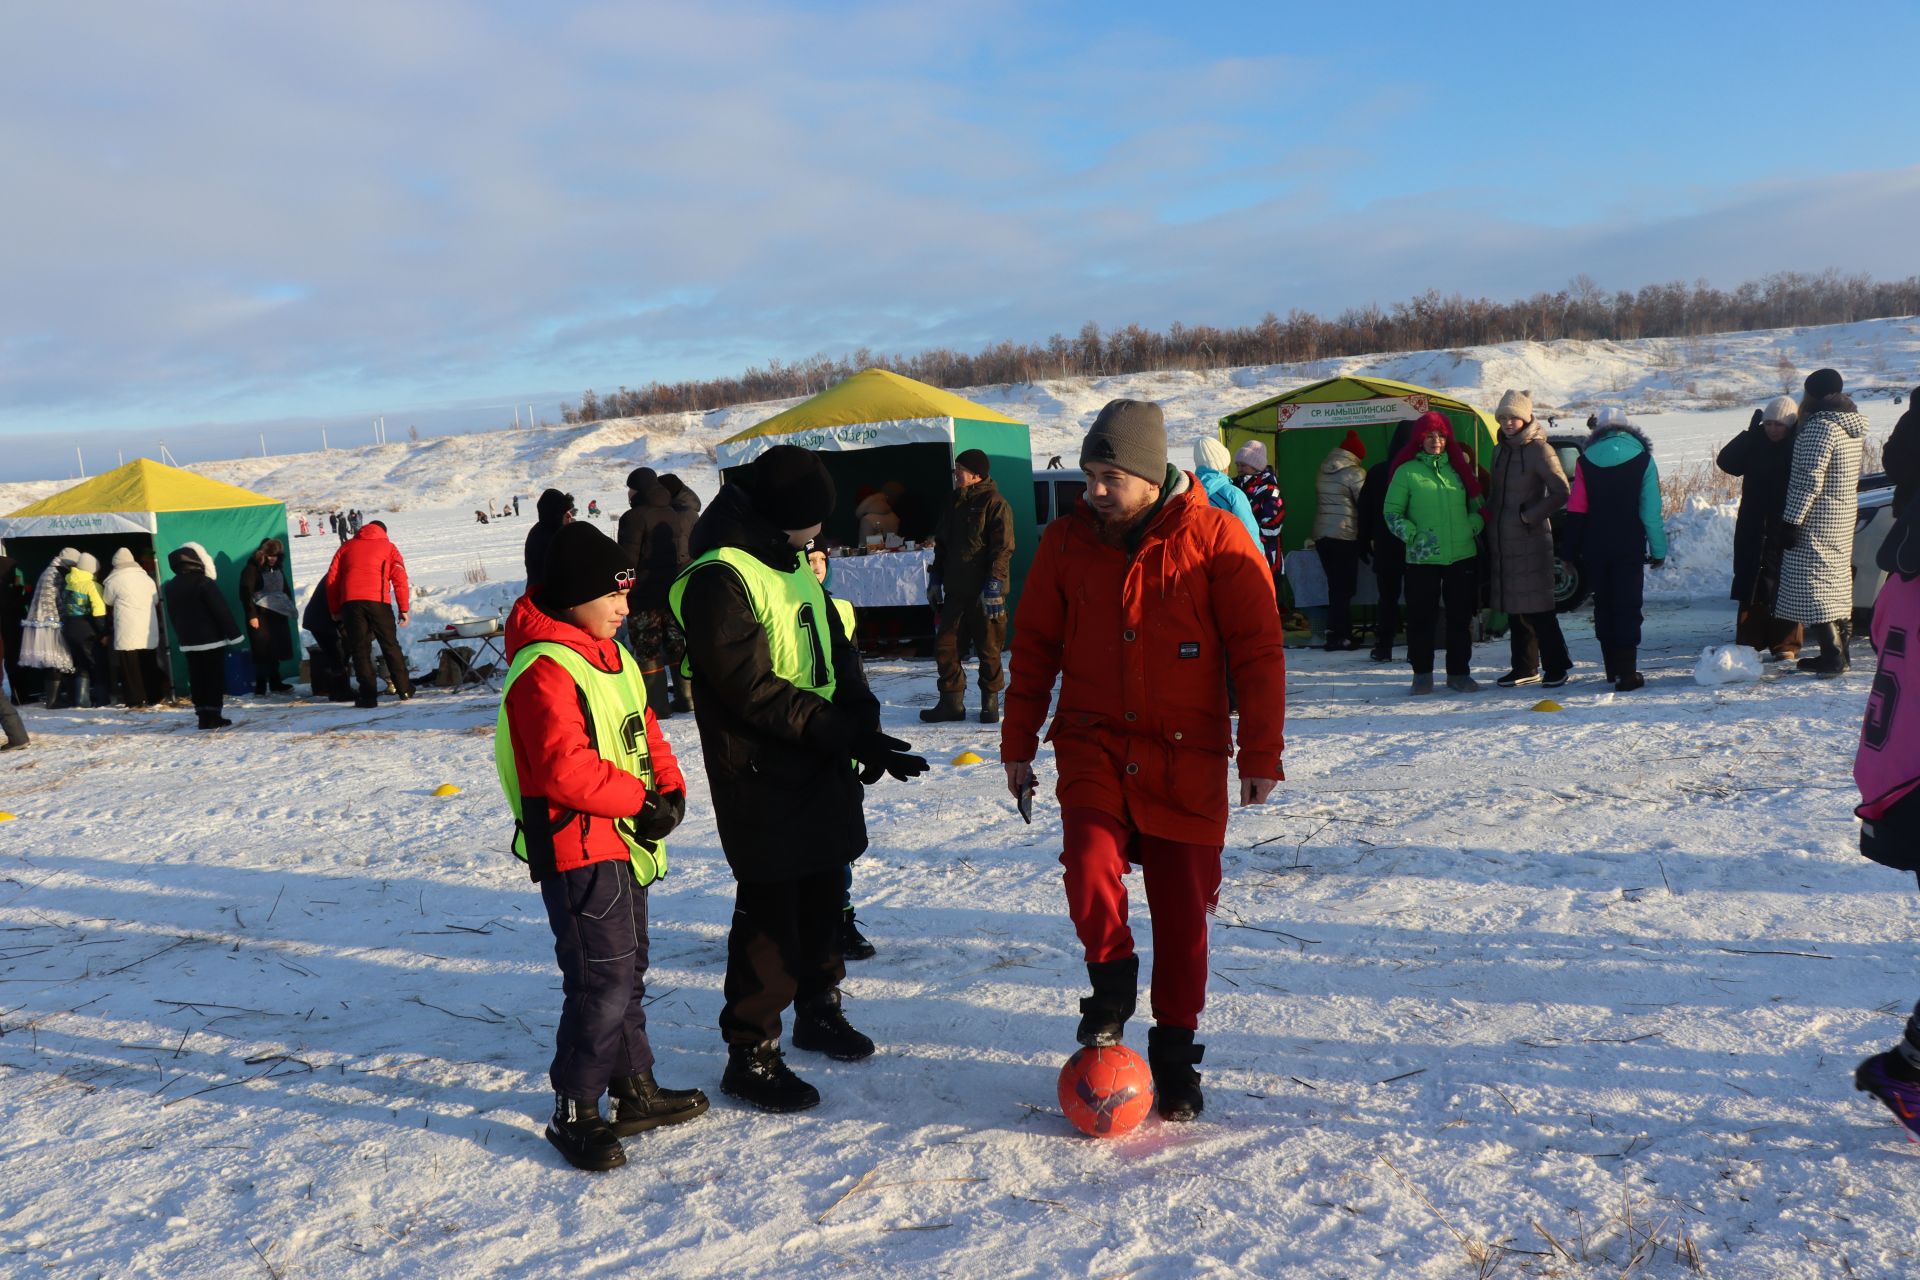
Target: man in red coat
[
  {"x": 1142, "y": 602},
  {"x": 364, "y": 570}
]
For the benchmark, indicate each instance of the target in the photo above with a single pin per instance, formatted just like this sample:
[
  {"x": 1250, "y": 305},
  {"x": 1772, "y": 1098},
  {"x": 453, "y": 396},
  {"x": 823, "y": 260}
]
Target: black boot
[
  {"x": 682, "y": 691},
  {"x": 1832, "y": 660},
  {"x": 853, "y": 943},
  {"x": 950, "y": 708},
  {"x": 1172, "y": 1055},
  {"x": 1845, "y": 626},
  {"x": 820, "y": 1026},
  {"x": 658, "y": 698},
  {"x": 757, "y": 1075},
  {"x": 210, "y": 718},
  {"x": 989, "y": 707},
  {"x": 639, "y": 1104},
  {"x": 582, "y": 1136},
  {"x": 1625, "y": 666},
  {"x": 1104, "y": 1014}
]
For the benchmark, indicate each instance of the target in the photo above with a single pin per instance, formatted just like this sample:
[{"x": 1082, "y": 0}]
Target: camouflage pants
[{"x": 655, "y": 639}]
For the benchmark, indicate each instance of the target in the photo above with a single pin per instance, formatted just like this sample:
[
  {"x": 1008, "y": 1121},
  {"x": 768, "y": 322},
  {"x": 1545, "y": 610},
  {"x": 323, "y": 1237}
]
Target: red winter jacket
[
  {"x": 363, "y": 569},
  {"x": 552, "y": 755},
  {"x": 1143, "y": 644}
]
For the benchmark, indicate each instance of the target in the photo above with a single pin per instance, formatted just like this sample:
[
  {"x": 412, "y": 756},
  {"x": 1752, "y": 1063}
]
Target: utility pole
[
  {"x": 324, "y": 446},
  {"x": 82, "y": 460},
  {"x": 263, "y": 444}
]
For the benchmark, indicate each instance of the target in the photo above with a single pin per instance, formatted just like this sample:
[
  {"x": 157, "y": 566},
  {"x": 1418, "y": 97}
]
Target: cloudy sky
[{"x": 273, "y": 217}]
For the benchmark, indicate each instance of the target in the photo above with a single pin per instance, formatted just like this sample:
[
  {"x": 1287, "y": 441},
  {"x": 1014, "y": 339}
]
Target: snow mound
[
  {"x": 1727, "y": 664},
  {"x": 1699, "y": 553}
]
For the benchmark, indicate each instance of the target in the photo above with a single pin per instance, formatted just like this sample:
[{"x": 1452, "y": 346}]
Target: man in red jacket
[
  {"x": 1155, "y": 586},
  {"x": 594, "y": 789},
  {"x": 363, "y": 571}
]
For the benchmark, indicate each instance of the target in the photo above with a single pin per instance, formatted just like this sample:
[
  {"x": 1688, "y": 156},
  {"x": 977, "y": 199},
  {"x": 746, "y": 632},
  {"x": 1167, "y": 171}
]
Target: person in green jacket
[{"x": 1434, "y": 506}]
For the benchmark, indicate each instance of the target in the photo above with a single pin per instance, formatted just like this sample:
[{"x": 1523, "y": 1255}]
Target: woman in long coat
[
  {"x": 1816, "y": 574},
  {"x": 1529, "y": 488},
  {"x": 267, "y": 599},
  {"x": 1762, "y": 456}
]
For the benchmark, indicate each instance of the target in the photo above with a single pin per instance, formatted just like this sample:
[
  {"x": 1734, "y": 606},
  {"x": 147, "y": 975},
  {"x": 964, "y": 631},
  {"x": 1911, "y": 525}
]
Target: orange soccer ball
[{"x": 1106, "y": 1092}]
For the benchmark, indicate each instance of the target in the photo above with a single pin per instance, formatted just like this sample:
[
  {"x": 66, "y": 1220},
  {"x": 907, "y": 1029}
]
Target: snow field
[{"x": 268, "y": 1004}]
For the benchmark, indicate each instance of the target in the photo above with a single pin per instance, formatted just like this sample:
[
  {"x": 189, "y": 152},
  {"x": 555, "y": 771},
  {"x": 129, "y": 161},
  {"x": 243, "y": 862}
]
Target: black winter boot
[
  {"x": 989, "y": 707},
  {"x": 682, "y": 691},
  {"x": 639, "y": 1104},
  {"x": 1833, "y": 659},
  {"x": 757, "y": 1075},
  {"x": 1172, "y": 1055},
  {"x": 820, "y": 1027},
  {"x": 659, "y": 700},
  {"x": 582, "y": 1136},
  {"x": 1104, "y": 1014},
  {"x": 1626, "y": 673},
  {"x": 950, "y": 708},
  {"x": 853, "y": 943}
]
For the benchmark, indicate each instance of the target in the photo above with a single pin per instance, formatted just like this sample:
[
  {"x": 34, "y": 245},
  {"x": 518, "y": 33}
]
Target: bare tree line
[{"x": 1430, "y": 321}]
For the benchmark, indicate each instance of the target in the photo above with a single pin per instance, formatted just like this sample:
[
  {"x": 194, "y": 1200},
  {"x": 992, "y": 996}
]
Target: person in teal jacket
[
  {"x": 1210, "y": 463},
  {"x": 1434, "y": 506},
  {"x": 1615, "y": 528}
]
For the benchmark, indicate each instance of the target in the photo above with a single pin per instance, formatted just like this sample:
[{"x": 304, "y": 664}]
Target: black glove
[
  {"x": 878, "y": 754},
  {"x": 660, "y": 814},
  {"x": 1789, "y": 536},
  {"x": 1759, "y": 420}
]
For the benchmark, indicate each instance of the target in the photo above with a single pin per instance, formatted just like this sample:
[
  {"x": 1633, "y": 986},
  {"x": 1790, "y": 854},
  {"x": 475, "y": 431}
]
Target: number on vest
[
  {"x": 812, "y": 628},
  {"x": 1885, "y": 695},
  {"x": 633, "y": 732}
]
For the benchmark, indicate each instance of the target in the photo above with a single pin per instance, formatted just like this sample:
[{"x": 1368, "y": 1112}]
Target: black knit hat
[
  {"x": 790, "y": 487},
  {"x": 1825, "y": 382},
  {"x": 976, "y": 462},
  {"x": 552, "y": 505},
  {"x": 1131, "y": 435},
  {"x": 640, "y": 475},
  {"x": 582, "y": 564}
]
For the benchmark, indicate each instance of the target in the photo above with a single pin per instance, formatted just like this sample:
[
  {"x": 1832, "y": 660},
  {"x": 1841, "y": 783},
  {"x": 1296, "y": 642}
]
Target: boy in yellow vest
[
  {"x": 783, "y": 711},
  {"x": 594, "y": 789}
]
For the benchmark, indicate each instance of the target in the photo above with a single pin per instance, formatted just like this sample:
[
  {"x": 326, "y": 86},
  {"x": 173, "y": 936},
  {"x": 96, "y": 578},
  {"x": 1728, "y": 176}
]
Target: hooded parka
[
  {"x": 1142, "y": 642},
  {"x": 1823, "y": 495},
  {"x": 1529, "y": 488},
  {"x": 132, "y": 595}
]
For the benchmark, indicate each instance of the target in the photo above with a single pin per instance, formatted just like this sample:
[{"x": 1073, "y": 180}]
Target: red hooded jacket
[
  {"x": 363, "y": 569},
  {"x": 1142, "y": 644},
  {"x": 554, "y": 757}
]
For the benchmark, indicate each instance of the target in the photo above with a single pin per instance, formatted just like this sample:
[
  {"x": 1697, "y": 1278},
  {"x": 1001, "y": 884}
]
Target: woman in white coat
[{"x": 132, "y": 597}]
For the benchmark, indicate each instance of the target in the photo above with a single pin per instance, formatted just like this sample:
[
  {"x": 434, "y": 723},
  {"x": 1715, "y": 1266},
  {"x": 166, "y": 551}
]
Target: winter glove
[
  {"x": 1789, "y": 536},
  {"x": 936, "y": 597},
  {"x": 660, "y": 815},
  {"x": 994, "y": 600},
  {"x": 1759, "y": 420},
  {"x": 876, "y": 754}
]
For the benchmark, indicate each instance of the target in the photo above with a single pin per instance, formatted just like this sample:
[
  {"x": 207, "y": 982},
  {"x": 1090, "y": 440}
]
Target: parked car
[{"x": 1055, "y": 490}]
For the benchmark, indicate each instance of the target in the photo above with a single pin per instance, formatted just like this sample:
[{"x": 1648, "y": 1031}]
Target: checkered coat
[{"x": 1816, "y": 576}]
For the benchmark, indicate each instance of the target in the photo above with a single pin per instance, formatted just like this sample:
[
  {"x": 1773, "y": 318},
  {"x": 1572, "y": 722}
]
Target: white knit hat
[
  {"x": 1781, "y": 409},
  {"x": 1515, "y": 404},
  {"x": 1251, "y": 454},
  {"x": 1208, "y": 452},
  {"x": 1610, "y": 417}
]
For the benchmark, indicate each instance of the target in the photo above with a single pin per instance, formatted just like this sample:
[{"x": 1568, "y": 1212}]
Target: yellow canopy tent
[
  {"x": 878, "y": 426},
  {"x": 147, "y": 506}
]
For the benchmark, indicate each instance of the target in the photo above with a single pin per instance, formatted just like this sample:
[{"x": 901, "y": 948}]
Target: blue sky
[{"x": 224, "y": 219}]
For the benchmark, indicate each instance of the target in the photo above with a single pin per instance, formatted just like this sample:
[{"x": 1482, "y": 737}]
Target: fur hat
[
  {"x": 976, "y": 462},
  {"x": 1209, "y": 453},
  {"x": 1131, "y": 435},
  {"x": 1515, "y": 404},
  {"x": 582, "y": 564},
  {"x": 790, "y": 487},
  {"x": 1251, "y": 454},
  {"x": 1824, "y": 382},
  {"x": 1781, "y": 409}
]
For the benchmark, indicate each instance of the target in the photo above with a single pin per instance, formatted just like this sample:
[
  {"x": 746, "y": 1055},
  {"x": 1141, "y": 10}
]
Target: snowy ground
[{"x": 1587, "y": 984}]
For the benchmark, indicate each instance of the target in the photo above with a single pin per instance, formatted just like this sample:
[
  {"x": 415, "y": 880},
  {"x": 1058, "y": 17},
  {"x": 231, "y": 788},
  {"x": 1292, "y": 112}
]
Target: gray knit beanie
[{"x": 1130, "y": 435}]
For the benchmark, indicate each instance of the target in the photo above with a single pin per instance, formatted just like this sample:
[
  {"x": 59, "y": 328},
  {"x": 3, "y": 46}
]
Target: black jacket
[
  {"x": 1764, "y": 469},
  {"x": 686, "y": 514},
  {"x": 785, "y": 796},
  {"x": 196, "y": 607},
  {"x": 1375, "y": 537},
  {"x": 1901, "y": 457},
  {"x": 647, "y": 536},
  {"x": 974, "y": 542}
]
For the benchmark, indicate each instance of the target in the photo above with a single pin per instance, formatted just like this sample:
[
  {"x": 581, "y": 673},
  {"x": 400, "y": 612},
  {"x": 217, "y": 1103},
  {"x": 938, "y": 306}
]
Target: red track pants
[{"x": 1183, "y": 887}]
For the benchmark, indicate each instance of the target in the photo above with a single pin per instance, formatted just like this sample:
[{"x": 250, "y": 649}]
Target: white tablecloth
[{"x": 890, "y": 578}]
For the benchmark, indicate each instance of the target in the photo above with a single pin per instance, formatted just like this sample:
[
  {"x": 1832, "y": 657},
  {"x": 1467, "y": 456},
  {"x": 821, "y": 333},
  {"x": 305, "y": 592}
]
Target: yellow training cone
[
  {"x": 1547, "y": 704},
  {"x": 7, "y": 817},
  {"x": 446, "y": 789},
  {"x": 968, "y": 757}
]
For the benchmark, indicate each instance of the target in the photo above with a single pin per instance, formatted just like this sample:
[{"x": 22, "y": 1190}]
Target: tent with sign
[
  {"x": 145, "y": 506},
  {"x": 878, "y": 431},
  {"x": 1302, "y": 426}
]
